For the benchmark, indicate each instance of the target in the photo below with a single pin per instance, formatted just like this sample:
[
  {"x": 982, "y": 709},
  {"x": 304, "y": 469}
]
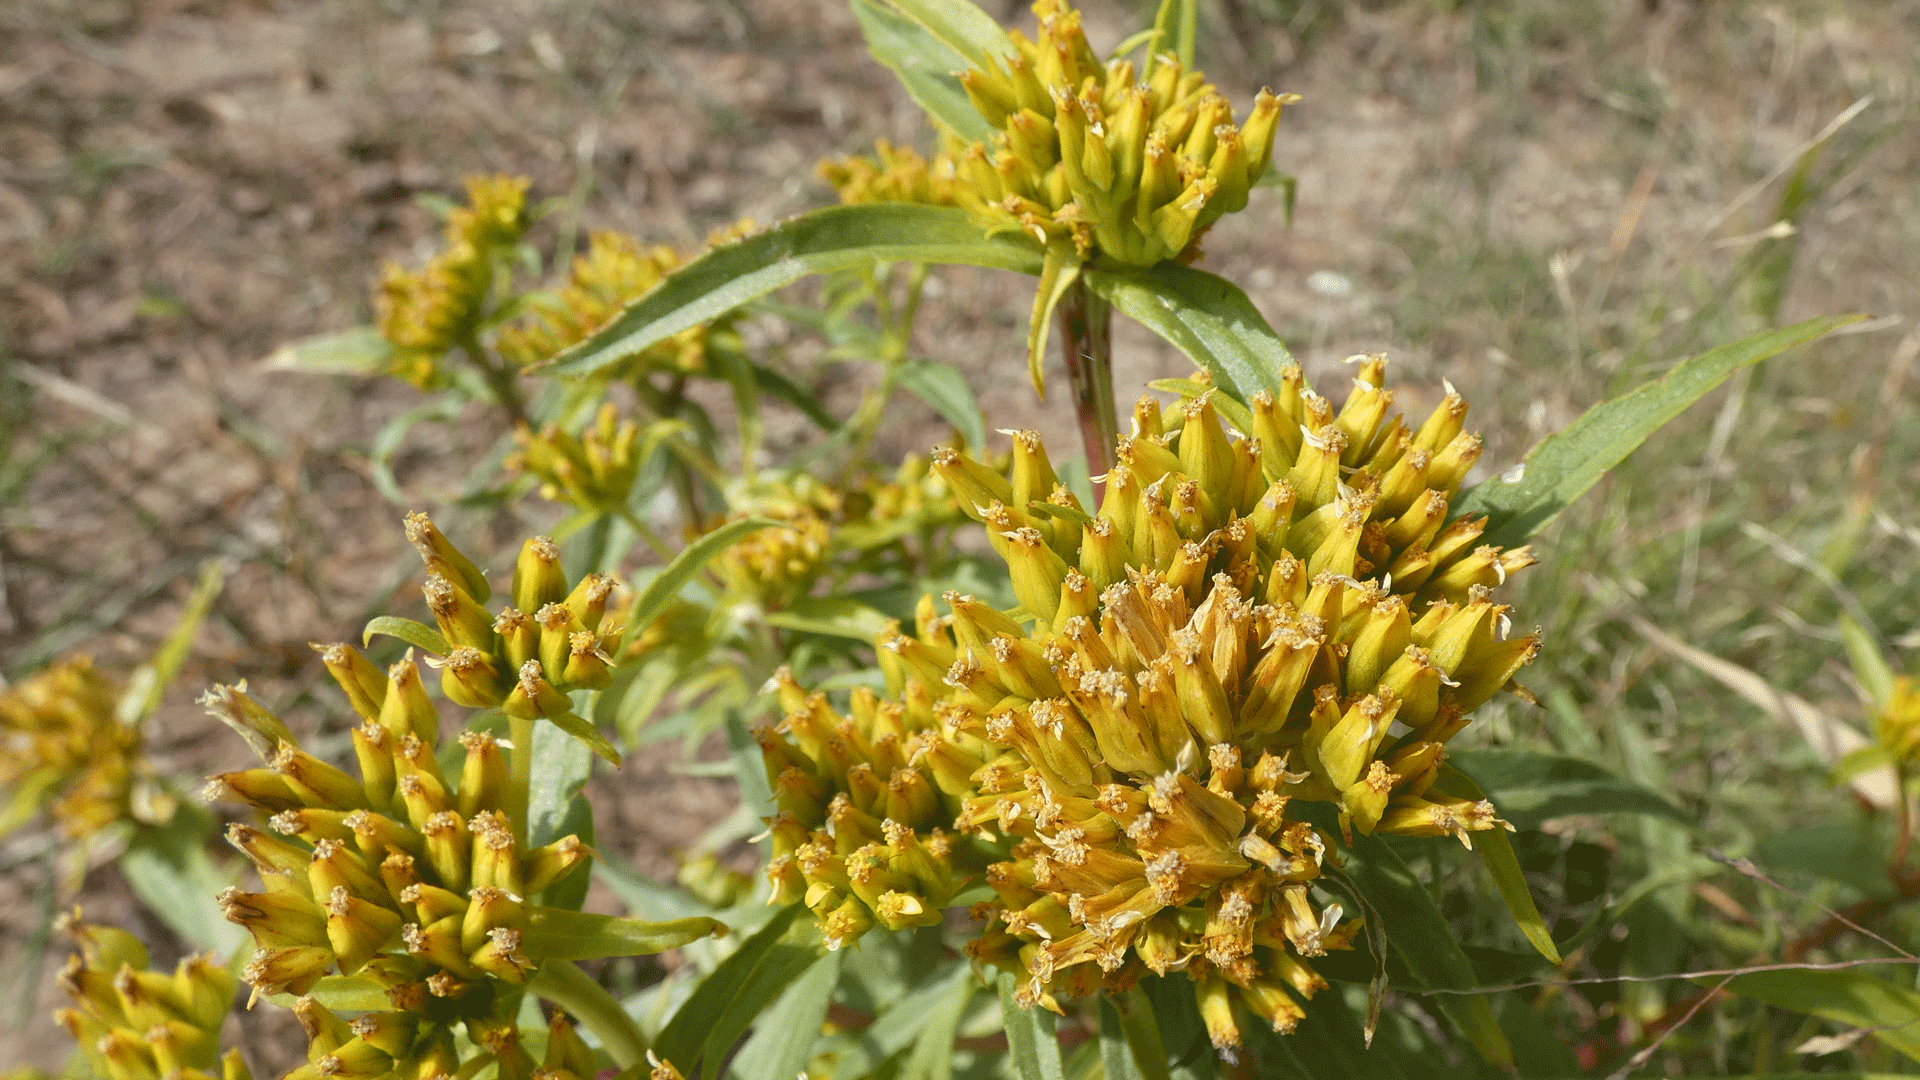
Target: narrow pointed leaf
[
  {"x": 819, "y": 242},
  {"x": 1031, "y": 1045},
  {"x": 1496, "y": 852},
  {"x": 151, "y": 679},
  {"x": 419, "y": 635},
  {"x": 1205, "y": 316},
  {"x": 1561, "y": 467},
  {"x": 1128, "y": 1021},
  {"x": 588, "y": 735},
  {"x": 946, "y": 390},
  {"x": 1868, "y": 662},
  {"x": 924, "y": 64},
  {"x": 1056, "y": 276},
  {"x": 555, "y": 934},
  {"x": 961, "y": 26},
  {"x": 1174, "y": 29},
  {"x": 705, "y": 1027},
  {"x": 904, "y": 1020},
  {"x": 663, "y": 588},
  {"x": 1420, "y": 934},
  {"x": 782, "y": 1042},
  {"x": 1529, "y": 788},
  {"x": 360, "y": 351},
  {"x": 932, "y": 1054}
]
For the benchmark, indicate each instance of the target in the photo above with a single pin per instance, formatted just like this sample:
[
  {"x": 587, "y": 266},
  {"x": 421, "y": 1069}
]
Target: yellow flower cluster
[
  {"x": 133, "y": 1023},
  {"x": 427, "y": 312},
  {"x": 895, "y": 174},
  {"x": 1245, "y": 624},
  {"x": 1897, "y": 727},
  {"x": 524, "y": 659},
  {"x": 593, "y": 470},
  {"x": 63, "y": 749}
]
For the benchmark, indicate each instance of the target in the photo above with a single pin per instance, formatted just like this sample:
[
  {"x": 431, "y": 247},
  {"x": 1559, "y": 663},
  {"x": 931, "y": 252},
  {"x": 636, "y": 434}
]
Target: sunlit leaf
[
  {"x": 1853, "y": 997},
  {"x": 1205, "y": 316},
  {"x": 151, "y": 679},
  {"x": 1031, "y": 1047},
  {"x": 1174, "y": 28},
  {"x": 943, "y": 388},
  {"x": 924, "y": 63},
  {"x": 835, "y": 238},
  {"x": 1530, "y": 787},
  {"x": 727, "y": 1001},
  {"x": 553, "y": 934},
  {"x": 359, "y": 351},
  {"x": 662, "y": 590},
  {"x": 1561, "y": 467},
  {"x": 1869, "y": 663},
  {"x": 419, "y": 635}
]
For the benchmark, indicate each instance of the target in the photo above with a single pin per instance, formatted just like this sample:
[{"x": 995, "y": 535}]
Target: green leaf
[
  {"x": 1174, "y": 28},
  {"x": 554, "y": 934},
  {"x": 643, "y": 895},
  {"x": 1859, "y": 761},
  {"x": 819, "y": 242},
  {"x": 1868, "y": 662},
  {"x": 589, "y": 735},
  {"x": 667, "y": 584},
  {"x": 1230, "y": 410},
  {"x": 945, "y": 389},
  {"x": 359, "y": 351},
  {"x": 1057, "y": 275},
  {"x": 961, "y": 26},
  {"x": 728, "y": 1000},
  {"x": 782, "y": 1042},
  {"x": 778, "y": 386},
  {"x": 168, "y": 869},
  {"x": 1530, "y": 787},
  {"x": 348, "y": 993},
  {"x": 1420, "y": 934},
  {"x": 1496, "y": 851},
  {"x": 834, "y": 616},
  {"x": 419, "y": 635},
  {"x": 924, "y": 64},
  {"x": 1130, "y": 1044},
  {"x": 1851, "y": 997},
  {"x": 1031, "y": 1044},
  {"x": 151, "y": 679},
  {"x": 902, "y": 1022},
  {"x": 561, "y": 767},
  {"x": 1562, "y": 466},
  {"x": 1205, "y": 316},
  {"x": 932, "y": 1056}
]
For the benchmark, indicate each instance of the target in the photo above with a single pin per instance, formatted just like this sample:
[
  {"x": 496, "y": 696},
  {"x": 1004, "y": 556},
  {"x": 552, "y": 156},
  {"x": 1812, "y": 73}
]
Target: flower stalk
[
  {"x": 1085, "y": 323},
  {"x": 564, "y": 984}
]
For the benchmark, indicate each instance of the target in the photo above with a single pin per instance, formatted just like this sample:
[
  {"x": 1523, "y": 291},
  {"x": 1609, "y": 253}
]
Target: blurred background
[{"x": 1544, "y": 201}]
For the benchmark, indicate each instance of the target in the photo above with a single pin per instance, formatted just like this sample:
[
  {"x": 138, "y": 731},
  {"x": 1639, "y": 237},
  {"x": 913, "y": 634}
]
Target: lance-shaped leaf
[
  {"x": 1174, "y": 29},
  {"x": 555, "y": 934},
  {"x": 961, "y": 26},
  {"x": 819, "y": 242},
  {"x": 924, "y": 63},
  {"x": 419, "y": 635},
  {"x": 667, "y": 585},
  {"x": 945, "y": 389},
  {"x": 1130, "y": 1044},
  {"x": 359, "y": 351},
  {"x": 729, "y": 999},
  {"x": 151, "y": 679},
  {"x": 1496, "y": 852},
  {"x": 1030, "y": 1039},
  {"x": 1205, "y": 316},
  {"x": 1561, "y": 467},
  {"x": 1420, "y": 934}
]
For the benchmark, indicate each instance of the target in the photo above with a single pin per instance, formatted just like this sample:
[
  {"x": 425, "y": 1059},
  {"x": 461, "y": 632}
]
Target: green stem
[
  {"x": 1085, "y": 322},
  {"x": 520, "y": 775},
  {"x": 647, "y": 534},
  {"x": 500, "y": 379},
  {"x": 565, "y": 985}
]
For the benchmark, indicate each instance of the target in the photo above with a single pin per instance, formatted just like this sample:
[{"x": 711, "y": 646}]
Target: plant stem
[
  {"x": 500, "y": 379},
  {"x": 520, "y": 775},
  {"x": 1085, "y": 322},
  {"x": 565, "y": 985}
]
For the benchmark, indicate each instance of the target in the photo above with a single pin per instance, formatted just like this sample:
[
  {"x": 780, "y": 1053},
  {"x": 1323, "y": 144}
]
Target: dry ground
[{"x": 1524, "y": 196}]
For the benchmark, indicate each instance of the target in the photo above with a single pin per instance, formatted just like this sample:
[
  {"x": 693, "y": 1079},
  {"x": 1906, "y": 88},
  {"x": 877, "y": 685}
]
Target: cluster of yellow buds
[
  {"x": 424, "y": 313},
  {"x": 860, "y": 801},
  {"x": 1135, "y": 171},
  {"x": 337, "y": 1047},
  {"x": 552, "y": 638},
  {"x": 615, "y": 271},
  {"x": 63, "y": 749},
  {"x": 593, "y": 470},
  {"x": 914, "y": 500},
  {"x": 133, "y": 1023},
  {"x": 895, "y": 174},
  {"x": 1245, "y": 623}
]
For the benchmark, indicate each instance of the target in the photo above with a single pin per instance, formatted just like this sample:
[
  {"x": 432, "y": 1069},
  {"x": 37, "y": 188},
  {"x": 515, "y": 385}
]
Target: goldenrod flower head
[
  {"x": 427, "y": 312},
  {"x": 895, "y": 174},
  {"x": 63, "y": 749},
  {"x": 615, "y": 271},
  {"x": 1238, "y": 629},
  {"x": 1127, "y": 170},
  {"x": 593, "y": 470},
  {"x": 1897, "y": 727},
  {"x": 133, "y": 1023}
]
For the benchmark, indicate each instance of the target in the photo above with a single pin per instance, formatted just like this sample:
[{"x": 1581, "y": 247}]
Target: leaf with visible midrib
[
  {"x": 1205, "y": 316},
  {"x": 836, "y": 238},
  {"x": 924, "y": 64},
  {"x": 662, "y": 589},
  {"x": 1561, "y": 467},
  {"x": 1529, "y": 788},
  {"x": 728, "y": 1000}
]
